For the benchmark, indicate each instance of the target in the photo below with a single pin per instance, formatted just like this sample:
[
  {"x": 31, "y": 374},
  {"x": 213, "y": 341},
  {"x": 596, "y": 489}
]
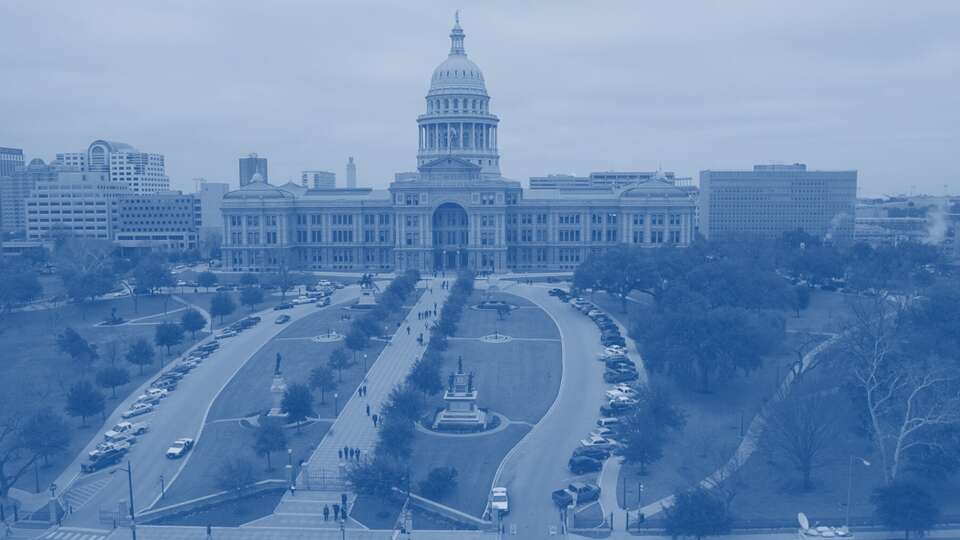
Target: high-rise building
[
  {"x": 10, "y": 160},
  {"x": 78, "y": 203},
  {"x": 14, "y": 190},
  {"x": 211, "y": 220},
  {"x": 141, "y": 172},
  {"x": 351, "y": 173},
  {"x": 166, "y": 221},
  {"x": 318, "y": 179},
  {"x": 251, "y": 165},
  {"x": 774, "y": 199}
]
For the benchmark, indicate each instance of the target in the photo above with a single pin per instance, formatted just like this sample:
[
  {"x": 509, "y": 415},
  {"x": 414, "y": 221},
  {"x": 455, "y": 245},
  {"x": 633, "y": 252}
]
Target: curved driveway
[
  {"x": 181, "y": 414},
  {"x": 537, "y": 465}
]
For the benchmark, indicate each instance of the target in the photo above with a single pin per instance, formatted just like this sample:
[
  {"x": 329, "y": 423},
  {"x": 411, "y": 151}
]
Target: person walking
[
  {"x": 368, "y": 409},
  {"x": 374, "y": 419},
  {"x": 340, "y": 454},
  {"x": 326, "y": 512}
]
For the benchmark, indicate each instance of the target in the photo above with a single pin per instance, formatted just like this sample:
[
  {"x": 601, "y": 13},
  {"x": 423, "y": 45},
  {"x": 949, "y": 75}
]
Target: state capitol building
[{"x": 456, "y": 212}]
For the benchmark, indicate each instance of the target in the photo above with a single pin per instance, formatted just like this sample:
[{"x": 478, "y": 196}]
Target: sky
[{"x": 578, "y": 86}]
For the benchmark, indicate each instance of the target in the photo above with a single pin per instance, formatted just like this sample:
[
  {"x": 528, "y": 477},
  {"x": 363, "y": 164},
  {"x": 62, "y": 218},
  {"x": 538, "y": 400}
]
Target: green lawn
[
  {"x": 248, "y": 393},
  {"x": 33, "y": 368},
  {"x": 519, "y": 379}
]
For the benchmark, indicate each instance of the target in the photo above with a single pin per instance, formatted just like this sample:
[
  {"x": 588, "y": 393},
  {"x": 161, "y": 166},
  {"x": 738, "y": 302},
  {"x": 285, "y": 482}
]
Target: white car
[
  {"x": 225, "y": 334},
  {"x": 595, "y": 441},
  {"x": 179, "y": 448},
  {"x": 301, "y": 300},
  {"x": 499, "y": 500},
  {"x": 137, "y": 409}
]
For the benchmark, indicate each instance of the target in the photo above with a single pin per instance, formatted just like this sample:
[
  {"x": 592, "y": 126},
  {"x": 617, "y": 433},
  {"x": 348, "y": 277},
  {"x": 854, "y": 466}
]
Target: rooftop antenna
[{"x": 456, "y": 16}]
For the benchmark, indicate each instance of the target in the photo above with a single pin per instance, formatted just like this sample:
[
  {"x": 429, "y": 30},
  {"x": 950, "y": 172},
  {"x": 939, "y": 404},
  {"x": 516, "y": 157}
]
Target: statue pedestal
[{"x": 277, "y": 388}]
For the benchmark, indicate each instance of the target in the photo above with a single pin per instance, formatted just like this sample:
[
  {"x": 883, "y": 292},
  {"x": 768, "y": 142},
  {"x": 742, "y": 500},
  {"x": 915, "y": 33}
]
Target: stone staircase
[{"x": 305, "y": 510}]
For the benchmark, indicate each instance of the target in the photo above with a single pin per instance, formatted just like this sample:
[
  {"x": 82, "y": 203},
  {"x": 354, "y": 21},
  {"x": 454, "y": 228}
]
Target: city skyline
[{"x": 673, "y": 95}]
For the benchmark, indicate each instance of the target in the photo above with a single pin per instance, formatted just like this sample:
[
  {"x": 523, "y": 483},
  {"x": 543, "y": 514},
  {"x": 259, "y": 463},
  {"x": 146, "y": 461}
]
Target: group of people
[{"x": 349, "y": 453}]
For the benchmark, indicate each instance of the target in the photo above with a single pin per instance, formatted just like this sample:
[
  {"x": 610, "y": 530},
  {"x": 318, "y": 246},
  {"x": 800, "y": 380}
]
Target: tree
[
  {"x": 297, "y": 403},
  {"x": 425, "y": 376},
  {"x": 641, "y": 439},
  {"x": 111, "y": 377},
  {"x": 248, "y": 280},
  {"x": 377, "y": 477},
  {"x": 235, "y": 474},
  {"x": 80, "y": 350},
  {"x": 140, "y": 353},
  {"x": 45, "y": 434},
  {"x": 268, "y": 438},
  {"x": 800, "y": 432},
  {"x": 321, "y": 378},
  {"x": 799, "y": 298},
  {"x": 193, "y": 321},
  {"x": 82, "y": 286},
  {"x": 17, "y": 287},
  {"x": 167, "y": 335},
  {"x": 339, "y": 360},
  {"x": 251, "y": 296},
  {"x": 84, "y": 400},
  {"x": 221, "y": 305},
  {"x": 440, "y": 482},
  {"x": 905, "y": 506},
  {"x": 151, "y": 274},
  {"x": 697, "y": 345},
  {"x": 697, "y": 513},
  {"x": 356, "y": 339},
  {"x": 206, "y": 279}
]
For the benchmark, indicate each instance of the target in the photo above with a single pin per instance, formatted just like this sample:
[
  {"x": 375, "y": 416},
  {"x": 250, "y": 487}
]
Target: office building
[
  {"x": 78, "y": 204},
  {"x": 770, "y": 200},
  {"x": 141, "y": 172},
  {"x": 456, "y": 211},
  {"x": 250, "y": 165},
  {"x": 318, "y": 179},
  {"x": 158, "y": 221},
  {"x": 11, "y": 159},
  {"x": 15, "y": 189}
]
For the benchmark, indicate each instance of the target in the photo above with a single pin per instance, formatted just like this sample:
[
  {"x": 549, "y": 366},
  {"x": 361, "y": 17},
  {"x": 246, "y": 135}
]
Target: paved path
[
  {"x": 180, "y": 415},
  {"x": 325, "y": 471}
]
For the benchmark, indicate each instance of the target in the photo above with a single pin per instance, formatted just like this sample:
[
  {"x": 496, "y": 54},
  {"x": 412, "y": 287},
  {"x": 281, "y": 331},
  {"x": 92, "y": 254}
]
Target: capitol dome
[{"x": 457, "y": 72}]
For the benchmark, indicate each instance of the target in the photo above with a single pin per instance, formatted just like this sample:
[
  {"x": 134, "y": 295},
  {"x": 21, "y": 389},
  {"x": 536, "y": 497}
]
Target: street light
[
  {"x": 865, "y": 463},
  {"x": 161, "y": 486},
  {"x": 336, "y": 406},
  {"x": 365, "y": 355},
  {"x": 133, "y": 522}
]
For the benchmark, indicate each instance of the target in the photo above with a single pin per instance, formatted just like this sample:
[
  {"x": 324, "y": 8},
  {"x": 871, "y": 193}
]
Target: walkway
[{"x": 325, "y": 471}]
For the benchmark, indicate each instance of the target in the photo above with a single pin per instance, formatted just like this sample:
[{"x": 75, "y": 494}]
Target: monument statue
[
  {"x": 450, "y": 383},
  {"x": 276, "y": 369}
]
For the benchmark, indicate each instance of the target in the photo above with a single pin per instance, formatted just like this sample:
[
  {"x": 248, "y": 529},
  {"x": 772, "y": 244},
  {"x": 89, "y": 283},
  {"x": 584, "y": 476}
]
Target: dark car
[
  {"x": 562, "y": 498},
  {"x": 164, "y": 384},
  {"x": 104, "y": 459},
  {"x": 583, "y": 465},
  {"x": 591, "y": 452},
  {"x": 212, "y": 346},
  {"x": 614, "y": 377},
  {"x": 284, "y": 305},
  {"x": 613, "y": 340},
  {"x": 619, "y": 362},
  {"x": 171, "y": 375},
  {"x": 282, "y": 319},
  {"x": 584, "y": 491},
  {"x": 606, "y": 326},
  {"x": 557, "y": 292},
  {"x": 615, "y": 409}
]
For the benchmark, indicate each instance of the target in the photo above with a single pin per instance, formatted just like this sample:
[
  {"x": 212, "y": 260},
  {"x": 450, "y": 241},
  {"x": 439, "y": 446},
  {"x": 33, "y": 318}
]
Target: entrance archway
[{"x": 451, "y": 234}]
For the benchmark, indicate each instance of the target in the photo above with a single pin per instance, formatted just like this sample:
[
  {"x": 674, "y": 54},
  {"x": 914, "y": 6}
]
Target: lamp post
[
  {"x": 365, "y": 356},
  {"x": 161, "y": 486},
  {"x": 343, "y": 528},
  {"x": 133, "y": 521},
  {"x": 336, "y": 405},
  {"x": 865, "y": 463}
]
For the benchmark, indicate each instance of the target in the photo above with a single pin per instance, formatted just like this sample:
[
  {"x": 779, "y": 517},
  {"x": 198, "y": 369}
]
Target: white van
[{"x": 608, "y": 422}]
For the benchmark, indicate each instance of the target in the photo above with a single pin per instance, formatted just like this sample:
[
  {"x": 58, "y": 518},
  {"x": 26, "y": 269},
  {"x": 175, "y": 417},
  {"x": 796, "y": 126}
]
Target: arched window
[
  {"x": 446, "y": 104},
  {"x": 456, "y": 104}
]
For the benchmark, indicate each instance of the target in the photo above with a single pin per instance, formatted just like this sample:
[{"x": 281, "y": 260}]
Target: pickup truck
[
  {"x": 499, "y": 501},
  {"x": 106, "y": 459},
  {"x": 127, "y": 428},
  {"x": 107, "y": 447}
]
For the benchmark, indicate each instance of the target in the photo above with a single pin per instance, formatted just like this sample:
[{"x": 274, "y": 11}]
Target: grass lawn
[
  {"x": 518, "y": 379},
  {"x": 713, "y": 428},
  {"x": 37, "y": 372},
  {"x": 248, "y": 393},
  {"x": 228, "y": 514}
]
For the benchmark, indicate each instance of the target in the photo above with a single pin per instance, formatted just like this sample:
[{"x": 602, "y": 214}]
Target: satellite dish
[{"x": 804, "y": 522}]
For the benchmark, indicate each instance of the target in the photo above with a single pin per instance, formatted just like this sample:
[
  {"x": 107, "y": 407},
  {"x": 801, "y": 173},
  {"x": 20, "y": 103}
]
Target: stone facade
[{"x": 457, "y": 211}]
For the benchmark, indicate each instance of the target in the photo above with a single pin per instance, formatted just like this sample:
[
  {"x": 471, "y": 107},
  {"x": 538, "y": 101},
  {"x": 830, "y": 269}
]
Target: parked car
[
  {"x": 556, "y": 292},
  {"x": 323, "y": 302},
  {"x": 179, "y": 448},
  {"x": 183, "y": 368},
  {"x": 106, "y": 459},
  {"x": 209, "y": 346},
  {"x": 611, "y": 376},
  {"x": 608, "y": 421},
  {"x": 562, "y": 498},
  {"x": 164, "y": 384},
  {"x": 282, "y": 319},
  {"x": 613, "y": 340},
  {"x": 615, "y": 409},
  {"x": 499, "y": 500},
  {"x": 228, "y": 333},
  {"x": 599, "y": 454},
  {"x": 252, "y": 320},
  {"x": 129, "y": 428},
  {"x": 618, "y": 361},
  {"x": 584, "y": 491},
  {"x": 301, "y": 300},
  {"x": 584, "y": 465},
  {"x": 148, "y": 399},
  {"x": 282, "y": 306},
  {"x": 121, "y": 442},
  {"x": 137, "y": 409}
]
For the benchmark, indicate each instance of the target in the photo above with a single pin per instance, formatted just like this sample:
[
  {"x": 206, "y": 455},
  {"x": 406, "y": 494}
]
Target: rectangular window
[{"x": 638, "y": 219}]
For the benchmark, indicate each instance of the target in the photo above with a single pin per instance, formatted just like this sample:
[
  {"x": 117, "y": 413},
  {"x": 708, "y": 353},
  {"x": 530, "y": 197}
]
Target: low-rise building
[{"x": 158, "y": 221}]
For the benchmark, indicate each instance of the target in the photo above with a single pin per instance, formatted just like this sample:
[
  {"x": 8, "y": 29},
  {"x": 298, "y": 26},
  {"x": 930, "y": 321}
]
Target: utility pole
[{"x": 133, "y": 520}]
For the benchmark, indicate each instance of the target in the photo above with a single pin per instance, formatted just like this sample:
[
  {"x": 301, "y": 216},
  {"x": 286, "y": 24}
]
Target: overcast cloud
[{"x": 866, "y": 85}]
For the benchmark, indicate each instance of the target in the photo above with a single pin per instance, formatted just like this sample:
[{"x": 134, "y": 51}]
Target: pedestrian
[
  {"x": 326, "y": 512},
  {"x": 345, "y": 452},
  {"x": 368, "y": 409},
  {"x": 340, "y": 454},
  {"x": 293, "y": 489},
  {"x": 357, "y": 455},
  {"x": 364, "y": 390},
  {"x": 434, "y": 307},
  {"x": 209, "y": 532},
  {"x": 351, "y": 454},
  {"x": 374, "y": 419},
  {"x": 408, "y": 329}
]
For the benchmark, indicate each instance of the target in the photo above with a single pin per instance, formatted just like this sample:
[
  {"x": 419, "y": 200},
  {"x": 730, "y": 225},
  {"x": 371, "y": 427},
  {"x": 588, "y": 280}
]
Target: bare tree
[
  {"x": 799, "y": 432},
  {"x": 907, "y": 395}
]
